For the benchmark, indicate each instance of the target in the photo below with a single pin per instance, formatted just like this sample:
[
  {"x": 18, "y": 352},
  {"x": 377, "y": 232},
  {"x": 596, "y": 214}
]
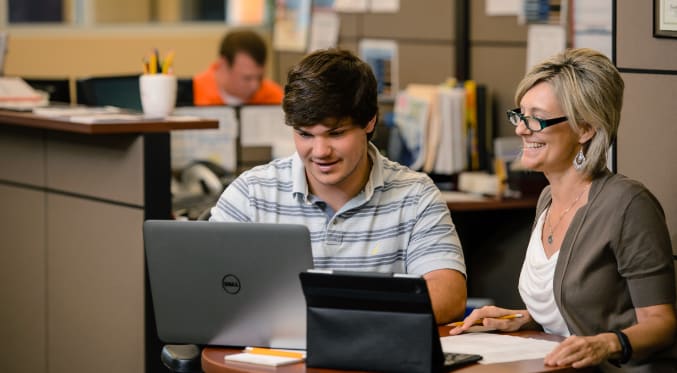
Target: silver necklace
[{"x": 561, "y": 216}]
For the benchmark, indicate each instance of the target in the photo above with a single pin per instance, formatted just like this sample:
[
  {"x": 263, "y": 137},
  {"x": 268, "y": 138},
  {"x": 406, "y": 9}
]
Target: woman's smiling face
[{"x": 553, "y": 148}]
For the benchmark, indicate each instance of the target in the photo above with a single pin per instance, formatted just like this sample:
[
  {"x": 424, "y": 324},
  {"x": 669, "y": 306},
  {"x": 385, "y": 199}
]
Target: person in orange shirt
[{"x": 236, "y": 77}]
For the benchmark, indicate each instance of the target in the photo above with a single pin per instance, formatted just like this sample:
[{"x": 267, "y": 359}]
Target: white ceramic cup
[{"x": 158, "y": 94}]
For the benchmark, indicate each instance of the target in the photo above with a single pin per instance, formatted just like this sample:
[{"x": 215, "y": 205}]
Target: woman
[{"x": 599, "y": 267}]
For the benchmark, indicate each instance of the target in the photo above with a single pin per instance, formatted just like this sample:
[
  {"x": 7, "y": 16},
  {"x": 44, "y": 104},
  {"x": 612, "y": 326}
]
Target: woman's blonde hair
[{"x": 590, "y": 92}]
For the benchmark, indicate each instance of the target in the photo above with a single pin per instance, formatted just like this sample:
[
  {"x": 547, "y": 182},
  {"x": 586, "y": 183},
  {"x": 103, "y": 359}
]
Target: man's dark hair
[
  {"x": 246, "y": 41},
  {"x": 329, "y": 86}
]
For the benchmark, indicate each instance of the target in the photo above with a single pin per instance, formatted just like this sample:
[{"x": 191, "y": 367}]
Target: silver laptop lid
[{"x": 228, "y": 284}]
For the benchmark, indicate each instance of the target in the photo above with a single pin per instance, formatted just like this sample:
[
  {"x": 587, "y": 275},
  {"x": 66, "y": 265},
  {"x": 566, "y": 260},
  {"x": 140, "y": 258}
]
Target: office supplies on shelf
[
  {"x": 210, "y": 286},
  {"x": 154, "y": 64}
]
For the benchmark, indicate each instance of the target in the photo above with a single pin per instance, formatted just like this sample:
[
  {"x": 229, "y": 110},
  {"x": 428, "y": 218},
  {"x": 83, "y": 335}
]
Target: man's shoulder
[{"x": 393, "y": 171}]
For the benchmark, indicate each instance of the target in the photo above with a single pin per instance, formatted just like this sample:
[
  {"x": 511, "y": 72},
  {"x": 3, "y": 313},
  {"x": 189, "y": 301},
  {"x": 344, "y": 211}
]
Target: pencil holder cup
[{"x": 158, "y": 94}]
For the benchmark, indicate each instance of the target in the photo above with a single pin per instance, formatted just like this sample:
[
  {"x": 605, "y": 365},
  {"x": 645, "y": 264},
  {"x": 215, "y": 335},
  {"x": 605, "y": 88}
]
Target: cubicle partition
[{"x": 71, "y": 264}]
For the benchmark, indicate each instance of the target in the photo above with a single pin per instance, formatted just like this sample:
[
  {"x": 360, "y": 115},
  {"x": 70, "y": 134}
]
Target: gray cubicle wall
[
  {"x": 423, "y": 30},
  {"x": 498, "y": 51}
]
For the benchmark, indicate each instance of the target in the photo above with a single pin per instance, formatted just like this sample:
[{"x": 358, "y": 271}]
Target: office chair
[
  {"x": 121, "y": 91},
  {"x": 58, "y": 88},
  {"x": 184, "y": 92}
]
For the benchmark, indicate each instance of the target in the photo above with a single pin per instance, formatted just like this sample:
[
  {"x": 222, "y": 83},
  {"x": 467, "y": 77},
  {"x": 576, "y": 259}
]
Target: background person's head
[
  {"x": 329, "y": 87},
  {"x": 243, "y": 59},
  {"x": 589, "y": 90}
]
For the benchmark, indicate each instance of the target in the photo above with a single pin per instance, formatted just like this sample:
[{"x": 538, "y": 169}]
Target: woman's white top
[{"x": 535, "y": 284}]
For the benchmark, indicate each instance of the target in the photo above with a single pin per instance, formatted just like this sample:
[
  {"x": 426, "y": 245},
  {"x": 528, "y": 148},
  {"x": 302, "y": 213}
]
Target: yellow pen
[
  {"x": 270, "y": 352},
  {"x": 167, "y": 62},
  {"x": 480, "y": 321},
  {"x": 152, "y": 64}
]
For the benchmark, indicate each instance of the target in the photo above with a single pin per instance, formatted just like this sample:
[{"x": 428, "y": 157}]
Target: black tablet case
[{"x": 370, "y": 322}]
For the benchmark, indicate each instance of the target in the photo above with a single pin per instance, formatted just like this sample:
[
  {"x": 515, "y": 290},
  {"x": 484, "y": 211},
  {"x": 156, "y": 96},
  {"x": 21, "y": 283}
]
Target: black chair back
[
  {"x": 58, "y": 88},
  {"x": 121, "y": 91}
]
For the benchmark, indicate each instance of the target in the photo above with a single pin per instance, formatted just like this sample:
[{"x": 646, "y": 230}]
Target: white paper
[
  {"x": 16, "y": 89},
  {"x": 216, "y": 145},
  {"x": 503, "y": 7},
  {"x": 498, "y": 348},
  {"x": 263, "y": 126},
  {"x": 324, "y": 30},
  {"x": 385, "y": 6},
  {"x": 592, "y": 25},
  {"x": 260, "y": 359},
  {"x": 544, "y": 41},
  {"x": 668, "y": 12}
]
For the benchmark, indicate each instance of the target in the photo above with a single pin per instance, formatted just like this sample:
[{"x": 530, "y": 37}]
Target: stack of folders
[
  {"x": 265, "y": 356},
  {"x": 446, "y": 127}
]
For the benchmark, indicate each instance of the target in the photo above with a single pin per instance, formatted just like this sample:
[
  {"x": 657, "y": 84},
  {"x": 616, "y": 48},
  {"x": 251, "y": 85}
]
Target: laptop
[
  {"x": 373, "y": 321},
  {"x": 228, "y": 284}
]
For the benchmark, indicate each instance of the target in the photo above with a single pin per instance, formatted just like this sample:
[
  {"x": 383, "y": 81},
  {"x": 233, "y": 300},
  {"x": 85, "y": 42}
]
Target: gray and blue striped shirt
[{"x": 398, "y": 223}]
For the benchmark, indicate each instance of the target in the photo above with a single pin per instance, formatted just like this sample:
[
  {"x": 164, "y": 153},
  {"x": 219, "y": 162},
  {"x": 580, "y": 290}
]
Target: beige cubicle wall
[
  {"x": 111, "y": 50},
  {"x": 648, "y": 131},
  {"x": 72, "y": 256}
]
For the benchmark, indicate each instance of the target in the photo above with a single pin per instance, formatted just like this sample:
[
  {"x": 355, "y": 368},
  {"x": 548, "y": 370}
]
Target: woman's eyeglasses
[{"x": 515, "y": 116}]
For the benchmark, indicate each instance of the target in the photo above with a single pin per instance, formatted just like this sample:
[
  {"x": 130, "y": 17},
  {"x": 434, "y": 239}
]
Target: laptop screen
[{"x": 228, "y": 284}]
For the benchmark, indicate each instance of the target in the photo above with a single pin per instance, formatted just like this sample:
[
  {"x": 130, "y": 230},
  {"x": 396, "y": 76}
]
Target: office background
[{"x": 428, "y": 41}]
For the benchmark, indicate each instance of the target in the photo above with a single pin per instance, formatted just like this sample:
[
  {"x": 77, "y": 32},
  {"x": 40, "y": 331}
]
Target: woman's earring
[{"x": 579, "y": 160}]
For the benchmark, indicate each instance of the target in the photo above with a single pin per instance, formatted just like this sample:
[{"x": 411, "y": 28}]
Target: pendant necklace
[{"x": 561, "y": 216}]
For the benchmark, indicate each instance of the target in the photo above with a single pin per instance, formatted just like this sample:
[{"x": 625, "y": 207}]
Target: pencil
[
  {"x": 271, "y": 352},
  {"x": 480, "y": 321},
  {"x": 167, "y": 62},
  {"x": 152, "y": 64}
]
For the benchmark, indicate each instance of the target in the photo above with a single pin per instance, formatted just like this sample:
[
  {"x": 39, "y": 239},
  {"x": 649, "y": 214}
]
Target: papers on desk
[
  {"x": 16, "y": 94},
  {"x": 92, "y": 115},
  {"x": 498, "y": 348}
]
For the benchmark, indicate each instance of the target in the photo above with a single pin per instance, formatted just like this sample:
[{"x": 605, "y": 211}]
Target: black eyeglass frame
[{"x": 542, "y": 122}]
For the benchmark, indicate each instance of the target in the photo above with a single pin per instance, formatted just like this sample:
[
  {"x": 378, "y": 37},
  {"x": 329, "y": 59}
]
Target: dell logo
[{"x": 231, "y": 284}]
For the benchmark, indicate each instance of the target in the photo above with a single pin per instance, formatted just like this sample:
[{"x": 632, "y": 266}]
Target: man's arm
[{"x": 448, "y": 294}]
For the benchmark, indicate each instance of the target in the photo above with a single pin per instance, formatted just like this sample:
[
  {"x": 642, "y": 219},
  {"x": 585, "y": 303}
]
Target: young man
[
  {"x": 364, "y": 212},
  {"x": 236, "y": 77}
]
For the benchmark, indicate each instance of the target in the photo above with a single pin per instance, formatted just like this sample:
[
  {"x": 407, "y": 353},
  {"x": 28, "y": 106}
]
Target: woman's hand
[
  {"x": 490, "y": 316},
  {"x": 582, "y": 352}
]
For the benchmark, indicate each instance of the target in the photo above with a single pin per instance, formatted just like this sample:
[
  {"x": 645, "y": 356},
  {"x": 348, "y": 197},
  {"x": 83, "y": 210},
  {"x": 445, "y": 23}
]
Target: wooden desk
[
  {"x": 213, "y": 362},
  {"x": 74, "y": 197},
  {"x": 493, "y": 204}
]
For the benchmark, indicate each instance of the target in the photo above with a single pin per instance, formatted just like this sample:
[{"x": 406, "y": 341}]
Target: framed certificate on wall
[{"x": 665, "y": 18}]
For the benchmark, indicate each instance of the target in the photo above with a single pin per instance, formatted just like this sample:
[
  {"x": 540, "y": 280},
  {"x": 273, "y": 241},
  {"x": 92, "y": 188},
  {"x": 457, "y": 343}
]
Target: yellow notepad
[{"x": 264, "y": 356}]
